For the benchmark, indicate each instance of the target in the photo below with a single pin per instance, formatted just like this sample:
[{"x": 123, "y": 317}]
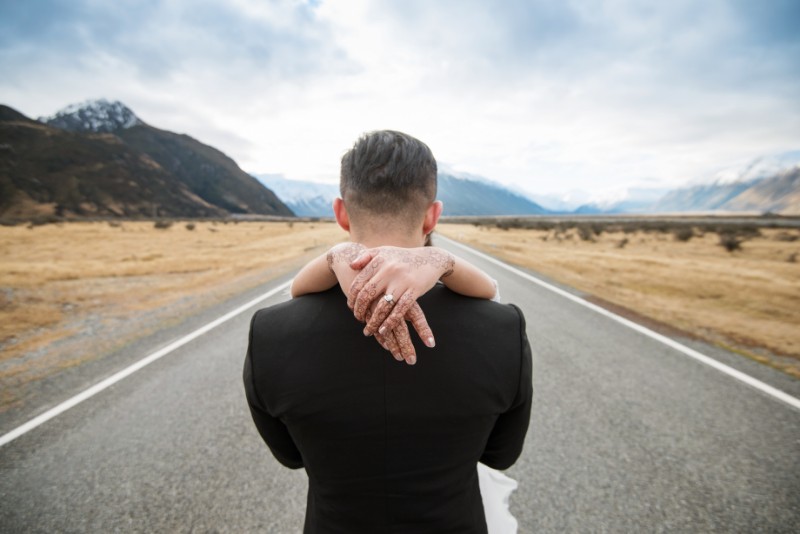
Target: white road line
[
  {"x": 113, "y": 379},
  {"x": 730, "y": 371}
]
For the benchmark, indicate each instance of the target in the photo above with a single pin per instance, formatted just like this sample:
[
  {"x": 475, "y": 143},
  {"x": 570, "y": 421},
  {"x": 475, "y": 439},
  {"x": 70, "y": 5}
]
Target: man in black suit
[{"x": 390, "y": 447}]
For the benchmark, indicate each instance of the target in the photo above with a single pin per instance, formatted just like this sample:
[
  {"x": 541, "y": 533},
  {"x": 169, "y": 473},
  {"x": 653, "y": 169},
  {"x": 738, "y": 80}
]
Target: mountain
[
  {"x": 629, "y": 200},
  {"x": 464, "y": 195},
  {"x": 306, "y": 199},
  {"x": 705, "y": 197},
  {"x": 99, "y": 159},
  {"x": 778, "y": 193},
  {"x": 98, "y": 116},
  {"x": 461, "y": 194}
]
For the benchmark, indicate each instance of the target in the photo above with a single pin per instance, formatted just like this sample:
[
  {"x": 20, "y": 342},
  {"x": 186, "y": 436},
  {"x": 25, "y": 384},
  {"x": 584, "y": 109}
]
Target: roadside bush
[
  {"x": 683, "y": 234},
  {"x": 162, "y": 225},
  {"x": 730, "y": 242},
  {"x": 786, "y": 236},
  {"x": 585, "y": 232},
  {"x": 190, "y": 226},
  {"x": 43, "y": 219}
]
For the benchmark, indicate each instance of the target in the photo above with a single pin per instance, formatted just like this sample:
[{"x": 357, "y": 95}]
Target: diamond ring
[{"x": 388, "y": 297}]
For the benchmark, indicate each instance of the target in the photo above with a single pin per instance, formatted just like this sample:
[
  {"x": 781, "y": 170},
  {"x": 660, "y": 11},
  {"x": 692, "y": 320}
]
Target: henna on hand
[
  {"x": 420, "y": 324},
  {"x": 344, "y": 254}
]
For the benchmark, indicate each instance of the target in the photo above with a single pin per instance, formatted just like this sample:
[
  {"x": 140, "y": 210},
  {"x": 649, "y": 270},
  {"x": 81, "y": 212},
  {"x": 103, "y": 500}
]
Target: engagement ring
[{"x": 388, "y": 297}]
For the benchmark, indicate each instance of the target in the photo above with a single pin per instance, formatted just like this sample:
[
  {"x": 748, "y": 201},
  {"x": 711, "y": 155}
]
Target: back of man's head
[{"x": 388, "y": 174}]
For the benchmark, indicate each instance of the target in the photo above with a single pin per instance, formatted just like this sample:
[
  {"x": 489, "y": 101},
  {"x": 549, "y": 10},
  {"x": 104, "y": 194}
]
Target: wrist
[
  {"x": 445, "y": 262},
  {"x": 343, "y": 254}
]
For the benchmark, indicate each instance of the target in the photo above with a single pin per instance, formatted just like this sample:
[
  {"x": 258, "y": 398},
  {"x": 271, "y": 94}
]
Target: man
[{"x": 390, "y": 447}]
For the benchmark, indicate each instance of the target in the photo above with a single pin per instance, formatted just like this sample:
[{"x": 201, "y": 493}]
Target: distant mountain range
[
  {"x": 306, "y": 199},
  {"x": 98, "y": 159},
  {"x": 777, "y": 192},
  {"x": 472, "y": 195},
  {"x": 461, "y": 195}
]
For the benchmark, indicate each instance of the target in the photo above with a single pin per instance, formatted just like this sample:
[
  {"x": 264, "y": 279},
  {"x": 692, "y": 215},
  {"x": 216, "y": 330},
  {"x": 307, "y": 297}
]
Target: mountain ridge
[
  {"x": 460, "y": 195},
  {"x": 106, "y": 162}
]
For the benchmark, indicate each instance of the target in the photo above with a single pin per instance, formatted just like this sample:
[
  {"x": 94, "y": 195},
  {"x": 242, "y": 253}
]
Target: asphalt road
[{"x": 627, "y": 435}]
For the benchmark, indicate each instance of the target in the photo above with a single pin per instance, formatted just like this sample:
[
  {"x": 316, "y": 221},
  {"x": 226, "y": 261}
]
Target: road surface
[{"x": 627, "y": 434}]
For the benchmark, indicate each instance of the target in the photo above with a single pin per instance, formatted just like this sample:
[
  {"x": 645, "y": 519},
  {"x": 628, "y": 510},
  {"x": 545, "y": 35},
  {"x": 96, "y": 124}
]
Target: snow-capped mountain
[
  {"x": 462, "y": 195},
  {"x": 306, "y": 199},
  {"x": 474, "y": 195},
  {"x": 93, "y": 116},
  {"x": 63, "y": 168},
  {"x": 777, "y": 193},
  {"x": 626, "y": 200}
]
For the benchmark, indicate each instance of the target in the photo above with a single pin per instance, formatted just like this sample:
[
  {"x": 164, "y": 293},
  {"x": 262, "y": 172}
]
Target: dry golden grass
[
  {"x": 59, "y": 280},
  {"x": 748, "y": 300},
  {"x": 72, "y": 292}
]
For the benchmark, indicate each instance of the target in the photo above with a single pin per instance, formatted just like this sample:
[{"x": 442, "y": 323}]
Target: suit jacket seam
[
  {"x": 261, "y": 403},
  {"x": 520, "y": 353}
]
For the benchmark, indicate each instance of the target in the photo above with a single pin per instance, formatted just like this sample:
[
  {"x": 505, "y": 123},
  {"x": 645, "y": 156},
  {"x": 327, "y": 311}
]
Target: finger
[
  {"x": 381, "y": 310},
  {"x": 361, "y": 280},
  {"x": 368, "y": 297},
  {"x": 403, "y": 338},
  {"x": 398, "y": 312},
  {"x": 420, "y": 324},
  {"x": 362, "y": 260},
  {"x": 389, "y": 342}
]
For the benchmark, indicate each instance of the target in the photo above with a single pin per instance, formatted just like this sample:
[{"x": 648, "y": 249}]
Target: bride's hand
[
  {"x": 340, "y": 257},
  {"x": 398, "y": 341},
  {"x": 403, "y": 273}
]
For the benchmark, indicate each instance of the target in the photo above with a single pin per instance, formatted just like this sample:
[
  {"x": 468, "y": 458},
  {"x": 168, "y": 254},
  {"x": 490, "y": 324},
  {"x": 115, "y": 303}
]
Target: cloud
[{"x": 550, "y": 96}]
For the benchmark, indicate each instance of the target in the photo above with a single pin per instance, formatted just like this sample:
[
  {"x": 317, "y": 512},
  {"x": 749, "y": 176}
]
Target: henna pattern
[
  {"x": 344, "y": 253},
  {"x": 406, "y": 301},
  {"x": 380, "y": 266},
  {"x": 420, "y": 257}
]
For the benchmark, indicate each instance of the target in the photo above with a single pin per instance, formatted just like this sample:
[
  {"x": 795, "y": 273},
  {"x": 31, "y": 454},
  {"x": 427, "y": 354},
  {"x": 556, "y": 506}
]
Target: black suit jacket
[{"x": 390, "y": 447}]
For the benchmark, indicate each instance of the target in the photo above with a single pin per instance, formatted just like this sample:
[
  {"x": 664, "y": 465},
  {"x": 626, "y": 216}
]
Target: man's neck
[{"x": 382, "y": 239}]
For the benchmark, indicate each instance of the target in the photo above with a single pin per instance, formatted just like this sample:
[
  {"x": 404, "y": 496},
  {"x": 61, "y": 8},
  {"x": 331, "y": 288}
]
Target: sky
[{"x": 574, "y": 97}]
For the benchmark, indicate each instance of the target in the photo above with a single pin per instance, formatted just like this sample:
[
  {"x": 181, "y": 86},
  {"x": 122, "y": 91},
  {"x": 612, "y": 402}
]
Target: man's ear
[
  {"x": 432, "y": 217},
  {"x": 341, "y": 214}
]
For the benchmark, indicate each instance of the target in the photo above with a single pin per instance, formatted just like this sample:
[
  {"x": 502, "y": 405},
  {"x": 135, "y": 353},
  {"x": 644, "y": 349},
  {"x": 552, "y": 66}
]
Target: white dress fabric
[{"x": 496, "y": 490}]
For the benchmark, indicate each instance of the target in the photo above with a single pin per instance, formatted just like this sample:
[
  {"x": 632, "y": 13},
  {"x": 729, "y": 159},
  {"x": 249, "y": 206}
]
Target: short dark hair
[{"x": 388, "y": 173}]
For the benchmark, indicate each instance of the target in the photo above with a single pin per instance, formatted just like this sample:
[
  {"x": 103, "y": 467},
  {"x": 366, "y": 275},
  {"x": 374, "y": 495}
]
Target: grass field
[
  {"x": 746, "y": 300},
  {"x": 72, "y": 292}
]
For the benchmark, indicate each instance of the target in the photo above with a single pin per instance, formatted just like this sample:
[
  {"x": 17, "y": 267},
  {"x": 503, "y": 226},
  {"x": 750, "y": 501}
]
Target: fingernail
[
  {"x": 412, "y": 360},
  {"x": 431, "y": 342},
  {"x": 382, "y": 330}
]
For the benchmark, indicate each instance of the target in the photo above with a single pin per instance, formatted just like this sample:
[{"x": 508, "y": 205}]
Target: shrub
[
  {"x": 731, "y": 242},
  {"x": 786, "y": 236},
  {"x": 585, "y": 232},
  {"x": 792, "y": 257},
  {"x": 683, "y": 234},
  {"x": 190, "y": 226},
  {"x": 114, "y": 224},
  {"x": 622, "y": 242},
  {"x": 162, "y": 224}
]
